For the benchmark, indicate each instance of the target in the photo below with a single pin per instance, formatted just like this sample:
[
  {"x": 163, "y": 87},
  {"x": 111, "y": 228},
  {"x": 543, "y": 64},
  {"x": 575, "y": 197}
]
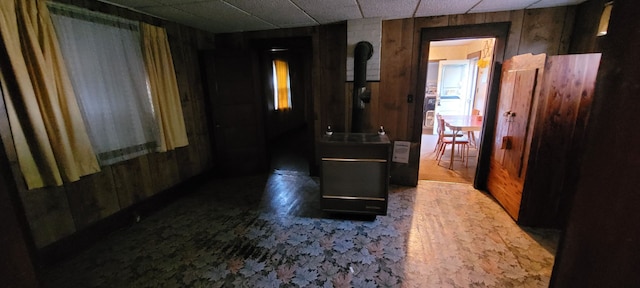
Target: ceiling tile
[
  {"x": 439, "y": 7},
  {"x": 388, "y": 9},
  {"x": 553, "y": 3},
  {"x": 221, "y": 14},
  {"x": 170, "y": 13},
  {"x": 329, "y": 11},
  {"x": 132, "y": 3},
  {"x": 281, "y": 13},
  {"x": 501, "y": 5}
]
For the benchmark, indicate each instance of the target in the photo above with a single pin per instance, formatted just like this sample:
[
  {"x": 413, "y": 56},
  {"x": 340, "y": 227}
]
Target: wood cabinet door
[
  {"x": 519, "y": 122},
  {"x": 514, "y": 127}
]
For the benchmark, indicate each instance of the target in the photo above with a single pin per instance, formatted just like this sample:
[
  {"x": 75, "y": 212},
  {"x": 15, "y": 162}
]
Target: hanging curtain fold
[
  {"x": 163, "y": 87},
  {"x": 281, "y": 84},
  {"x": 46, "y": 124},
  {"x": 104, "y": 57}
]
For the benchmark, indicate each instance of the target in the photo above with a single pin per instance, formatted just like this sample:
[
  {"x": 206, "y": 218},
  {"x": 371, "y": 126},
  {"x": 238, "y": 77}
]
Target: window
[
  {"x": 104, "y": 58},
  {"x": 281, "y": 85}
]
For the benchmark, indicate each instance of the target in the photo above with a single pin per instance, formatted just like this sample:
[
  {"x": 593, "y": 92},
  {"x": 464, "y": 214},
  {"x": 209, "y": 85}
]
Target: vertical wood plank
[
  {"x": 395, "y": 65},
  {"x": 542, "y": 30},
  {"x": 515, "y": 34},
  {"x": 132, "y": 181},
  {"x": 567, "y": 30},
  {"x": 568, "y": 88},
  {"x": 467, "y": 19},
  {"x": 332, "y": 51},
  {"x": 519, "y": 125},
  {"x": 502, "y": 16},
  {"x": 92, "y": 198},
  {"x": 48, "y": 213},
  {"x": 163, "y": 170},
  {"x": 428, "y": 22}
]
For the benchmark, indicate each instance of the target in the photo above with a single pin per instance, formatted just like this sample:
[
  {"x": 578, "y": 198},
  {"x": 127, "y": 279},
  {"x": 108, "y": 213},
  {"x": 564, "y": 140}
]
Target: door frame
[
  {"x": 304, "y": 46},
  {"x": 499, "y": 31}
]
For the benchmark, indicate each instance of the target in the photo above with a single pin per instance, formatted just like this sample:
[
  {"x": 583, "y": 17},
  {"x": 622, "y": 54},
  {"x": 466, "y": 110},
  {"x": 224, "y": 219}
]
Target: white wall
[{"x": 369, "y": 30}]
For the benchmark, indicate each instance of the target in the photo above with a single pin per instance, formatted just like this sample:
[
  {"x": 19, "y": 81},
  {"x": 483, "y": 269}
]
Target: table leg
[{"x": 453, "y": 148}]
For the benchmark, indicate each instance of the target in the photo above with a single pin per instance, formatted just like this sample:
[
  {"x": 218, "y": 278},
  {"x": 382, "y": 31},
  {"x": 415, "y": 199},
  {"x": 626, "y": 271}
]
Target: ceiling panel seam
[
  {"x": 474, "y": 6},
  {"x": 305, "y": 12},
  {"x": 360, "y": 9},
  {"x": 534, "y": 3},
  {"x": 415, "y": 10}
]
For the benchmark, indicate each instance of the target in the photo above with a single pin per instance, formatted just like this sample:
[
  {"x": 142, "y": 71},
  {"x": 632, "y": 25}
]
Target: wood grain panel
[
  {"x": 92, "y": 198},
  {"x": 515, "y": 158},
  {"x": 163, "y": 170},
  {"x": 48, "y": 213},
  {"x": 467, "y": 19},
  {"x": 17, "y": 268},
  {"x": 567, "y": 30},
  {"x": 587, "y": 19},
  {"x": 132, "y": 181},
  {"x": 507, "y": 86},
  {"x": 504, "y": 189},
  {"x": 517, "y": 93},
  {"x": 332, "y": 75},
  {"x": 515, "y": 35},
  {"x": 599, "y": 247},
  {"x": 395, "y": 75},
  {"x": 542, "y": 30},
  {"x": 567, "y": 89},
  {"x": 502, "y": 16}
]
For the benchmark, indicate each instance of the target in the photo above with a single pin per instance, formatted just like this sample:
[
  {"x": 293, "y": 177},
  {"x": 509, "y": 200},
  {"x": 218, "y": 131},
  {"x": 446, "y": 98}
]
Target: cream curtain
[
  {"x": 104, "y": 58},
  {"x": 48, "y": 131},
  {"x": 164, "y": 87}
]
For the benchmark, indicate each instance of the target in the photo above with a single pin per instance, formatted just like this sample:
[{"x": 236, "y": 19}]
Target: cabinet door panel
[
  {"x": 504, "y": 105},
  {"x": 519, "y": 120}
]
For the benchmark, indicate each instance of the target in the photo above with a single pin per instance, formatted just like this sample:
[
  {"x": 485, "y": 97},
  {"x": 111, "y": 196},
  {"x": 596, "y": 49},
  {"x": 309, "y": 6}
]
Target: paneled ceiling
[{"x": 220, "y": 16}]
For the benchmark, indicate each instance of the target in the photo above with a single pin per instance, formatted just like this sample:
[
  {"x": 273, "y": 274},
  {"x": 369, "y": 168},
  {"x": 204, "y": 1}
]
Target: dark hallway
[{"x": 289, "y": 152}]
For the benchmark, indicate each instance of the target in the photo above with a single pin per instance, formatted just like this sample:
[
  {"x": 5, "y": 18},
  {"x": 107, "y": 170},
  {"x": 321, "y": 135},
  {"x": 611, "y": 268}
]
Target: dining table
[{"x": 464, "y": 123}]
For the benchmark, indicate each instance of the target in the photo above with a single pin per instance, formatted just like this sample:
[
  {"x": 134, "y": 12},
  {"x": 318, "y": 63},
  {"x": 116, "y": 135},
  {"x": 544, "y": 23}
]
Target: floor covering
[{"x": 269, "y": 231}]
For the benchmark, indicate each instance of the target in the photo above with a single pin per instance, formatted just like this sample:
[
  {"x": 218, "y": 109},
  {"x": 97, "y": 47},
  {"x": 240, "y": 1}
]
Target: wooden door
[
  {"x": 239, "y": 142},
  {"x": 513, "y": 130},
  {"x": 519, "y": 120}
]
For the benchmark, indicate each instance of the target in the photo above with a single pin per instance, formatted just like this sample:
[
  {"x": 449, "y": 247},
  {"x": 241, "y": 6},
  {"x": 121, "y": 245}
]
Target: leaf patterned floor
[{"x": 268, "y": 231}]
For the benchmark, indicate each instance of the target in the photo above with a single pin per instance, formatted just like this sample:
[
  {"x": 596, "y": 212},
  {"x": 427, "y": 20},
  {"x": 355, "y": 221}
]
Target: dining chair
[
  {"x": 443, "y": 141},
  {"x": 446, "y": 132}
]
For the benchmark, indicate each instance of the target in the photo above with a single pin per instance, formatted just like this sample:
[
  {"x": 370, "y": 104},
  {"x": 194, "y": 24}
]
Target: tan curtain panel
[
  {"x": 282, "y": 78},
  {"x": 164, "y": 87},
  {"x": 48, "y": 131}
]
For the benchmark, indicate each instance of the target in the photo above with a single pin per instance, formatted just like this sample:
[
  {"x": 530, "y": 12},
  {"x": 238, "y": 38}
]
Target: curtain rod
[{"x": 83, "y": 13}]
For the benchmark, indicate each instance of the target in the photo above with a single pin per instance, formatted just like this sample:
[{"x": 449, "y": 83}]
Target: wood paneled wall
[
  {"x": 584, "y": 38},
  {"x": 17, "y": 267},
  {"x": 531, "y": 31},
  {"x": 328, "y": 70},
  {"x": 599, "y": 247},
  {"x": 56, "y": 212}
]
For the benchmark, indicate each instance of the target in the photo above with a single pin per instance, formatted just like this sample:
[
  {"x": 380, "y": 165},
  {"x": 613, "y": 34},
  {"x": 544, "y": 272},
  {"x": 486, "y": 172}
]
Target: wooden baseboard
[{"x": 79, "y": 241}]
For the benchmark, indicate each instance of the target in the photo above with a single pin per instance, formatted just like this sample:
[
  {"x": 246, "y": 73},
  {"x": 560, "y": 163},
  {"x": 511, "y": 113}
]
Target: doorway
[
  {"x": 285, "y": 75},
  {"x": 456, "y": 84},
  {"x": 498, "y": 31}
]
